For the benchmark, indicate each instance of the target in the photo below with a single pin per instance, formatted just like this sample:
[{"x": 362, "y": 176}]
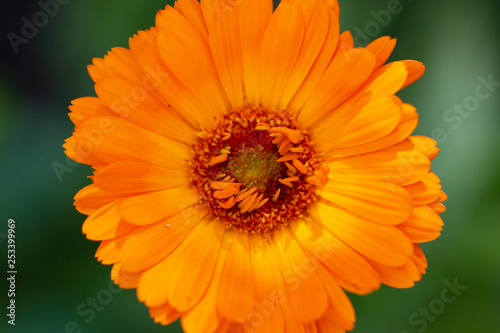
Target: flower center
[
  {"x": 256, "y": 171},
  {"x": 254, "y": 166}
]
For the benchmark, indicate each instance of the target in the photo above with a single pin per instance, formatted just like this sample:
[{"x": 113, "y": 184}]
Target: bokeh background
[{"x": 57, "y": 273}]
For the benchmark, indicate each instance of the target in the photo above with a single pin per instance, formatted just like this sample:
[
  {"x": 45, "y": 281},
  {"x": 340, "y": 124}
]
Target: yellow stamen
[
  {"x": 226, "y": 136},
  {"x": 298, "y": 164},
  {"x": 297, "y": 149},
  {"x": 285, "y": 183},
  {"x": 225, "y": 151},
  {"x": 291, "y": 179},
  {"x": 228, "y": 203},
  {"x": 256, "y": 203},
  {"x": 243, "y": 122},
  {"x": 288, "y": 157},
  {"x": 245, "y": 205},
  {"x": 202, "y": 135},
  {"x": 222, "y": 185},
  {"x": 242, "y": 196},
  {"x": 218, "y": 159},
  {"x": 285, "y": 146},
  {"x": 279, "y": 138},
  {"x": 293, "y": 135},
  {"x": 227, "y": 192},
  {"x": 291, "y": 168},
  {"x": 262, "y": 127},
  {"x": 276, "y": 195},
  {"x": 262, "y": 203}
]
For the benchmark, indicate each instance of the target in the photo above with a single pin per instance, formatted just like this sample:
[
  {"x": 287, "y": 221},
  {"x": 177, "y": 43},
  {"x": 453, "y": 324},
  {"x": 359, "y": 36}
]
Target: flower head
[{"x": 250, "y": 166}]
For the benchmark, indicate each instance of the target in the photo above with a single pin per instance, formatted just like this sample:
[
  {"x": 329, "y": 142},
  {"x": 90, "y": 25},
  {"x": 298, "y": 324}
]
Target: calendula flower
[{"x": 251, "y": 166}]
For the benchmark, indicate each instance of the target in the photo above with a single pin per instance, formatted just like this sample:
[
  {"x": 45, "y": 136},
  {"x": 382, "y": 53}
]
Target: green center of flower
[
  {"x": 256, "y": 171},
  {"x": 254, "y": 167}
]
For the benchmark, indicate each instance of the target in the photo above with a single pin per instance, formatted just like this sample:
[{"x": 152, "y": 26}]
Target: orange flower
[{"x": 250, "y": 166}]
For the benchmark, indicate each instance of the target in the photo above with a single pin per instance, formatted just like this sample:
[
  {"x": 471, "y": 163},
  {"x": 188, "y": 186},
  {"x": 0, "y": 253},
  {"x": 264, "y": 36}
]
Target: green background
[{"x": 457, "y": 40}]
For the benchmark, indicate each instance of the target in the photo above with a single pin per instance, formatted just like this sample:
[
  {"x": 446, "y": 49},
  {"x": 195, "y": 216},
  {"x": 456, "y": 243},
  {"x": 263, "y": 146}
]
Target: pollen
[{"x": 257, "y": 172}]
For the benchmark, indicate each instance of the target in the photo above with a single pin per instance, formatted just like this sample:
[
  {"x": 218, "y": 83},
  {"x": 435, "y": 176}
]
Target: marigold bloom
[{"x": 250, "y": 166}]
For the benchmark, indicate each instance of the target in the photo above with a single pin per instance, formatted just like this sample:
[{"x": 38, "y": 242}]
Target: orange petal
[
  {"x": 426, "y": 145},
  {"x": 225, "y": 44},
  {"x": 316, "y": 24},
  {"x": 165, "y": 85},
  {"x": 381, "y": 48},
  {"x": 280, "y": 49},
  {"x": 268, "y": 297},
  {"x": 236, "y": 278},
  {"x": 322, "y": 61},
  {"x": 340, "y": 310},
  {"x": 377, "y": 119},
  {"x": 119, "y": 63},
  {"x": 191, "y": 10},
  {"x": 398, "y": 277},
  {"x": 205, "y": 317},
  {"x": 377, "y": 201},
  {"x": 404, "y": 276},
  {"x": 415, "y": 71},
  {"x": 164, "y": 314},
  {"x": 424, "y": 192},
  {"x": 154, "y": 206},
  {"x": 401, "y": 164},
  {"x": 328, "y": 131},
  {"x": 346, "y": 42},
  {"x": 136, "y": 177},
  {"x": 437, "y": 207},
  {"x": 292, "y": 323},
  {"x": 106, "y": 223},
  {"x": 124, "y": 279},
  {"x": 107, "y": 253},
  {"x": 149, "y": 244},
  {"x": 254, "y": 17},
  {"x": 419, "y": 259},
  {"x": 306, "y": 294},
  {"x": 198, "y": 74},
  {"x": 96, "y": 70},
  {"x": 136, "y": 103},
  {"x": 407, "y": 125},
  {"x": 325, "y": 325},
  {"x": 90, "y": 198},
  {"x": 382, "y": 243},
  {"x": 84, "y": 107},
  {"x": 112, "y": 139},
  {"x": 388, "y": 79},
  {"x": 81, "y": 152},
  {"x": 424, "y": 225},
  {"x": 350, "y": 270},
  {"x": 333, "y": 88},
  {"x": 194, "y": 266}
]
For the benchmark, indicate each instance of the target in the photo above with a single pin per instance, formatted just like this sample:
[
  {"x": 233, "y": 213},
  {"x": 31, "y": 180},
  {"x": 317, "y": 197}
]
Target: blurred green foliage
[{"x": 458, "y": 41}]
